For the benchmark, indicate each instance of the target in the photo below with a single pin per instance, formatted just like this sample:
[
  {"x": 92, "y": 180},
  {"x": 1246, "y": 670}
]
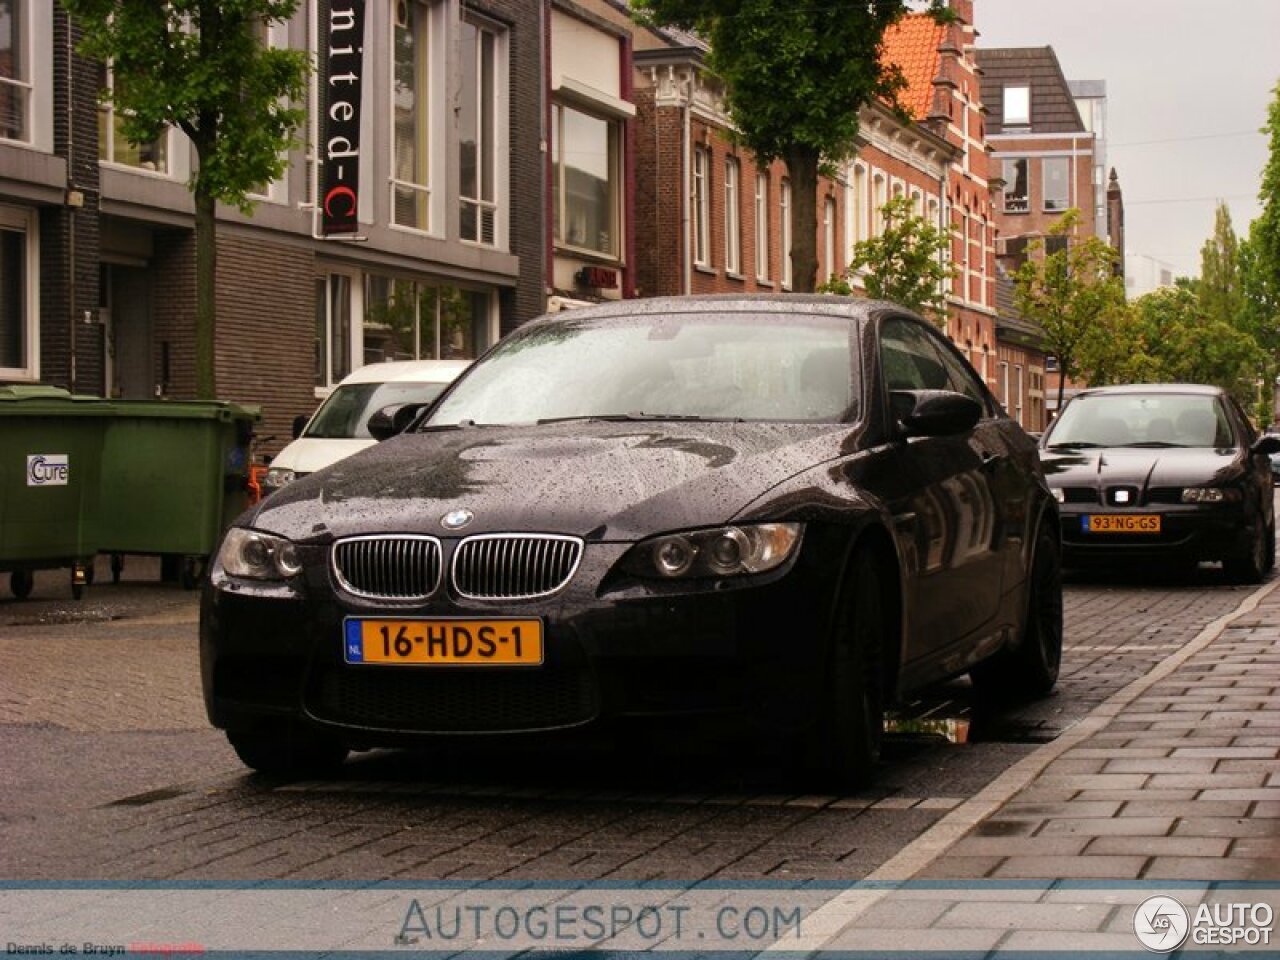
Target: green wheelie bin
[
  {"x": 50, "y": 466},
  {"x": 175, "y": 473}
]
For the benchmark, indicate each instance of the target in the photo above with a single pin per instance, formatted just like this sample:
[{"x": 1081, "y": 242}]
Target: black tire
[
  {"x": 117, "y": 567},
  {"x": 1271, "y": 547},
  {"x": 1031, "y": 669},
  {"x": 288, "y": 753},
  {"x": 1250, "y": 564},
  {"x": 22, "y": 582},
  {"x": 846, "y": 748},
  {"x": 189, "y": 575}
]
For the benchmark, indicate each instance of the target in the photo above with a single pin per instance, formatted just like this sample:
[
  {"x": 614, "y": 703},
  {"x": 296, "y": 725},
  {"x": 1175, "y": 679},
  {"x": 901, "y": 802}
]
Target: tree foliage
[
  {"x": 795, "y": 77},
  {"x": 904, "y": 264},
  {"x": 1260, "y": 254},
  {"x": 201, "y": 66},
  {"x": 1075, "y": 296},
  {"x": 1221, "y": 295}
]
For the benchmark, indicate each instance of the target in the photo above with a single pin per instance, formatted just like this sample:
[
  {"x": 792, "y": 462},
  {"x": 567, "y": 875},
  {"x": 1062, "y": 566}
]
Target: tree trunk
[
  {"x": 1062, "y": 384},
  {"x": 206, "y": 294},
  {"x": 802, "y": 167}
]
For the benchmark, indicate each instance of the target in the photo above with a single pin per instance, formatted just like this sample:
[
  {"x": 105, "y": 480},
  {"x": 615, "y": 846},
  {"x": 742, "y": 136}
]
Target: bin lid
[
  {"x": 187, "y": 410},
  {"x": 32, "y": 399}
]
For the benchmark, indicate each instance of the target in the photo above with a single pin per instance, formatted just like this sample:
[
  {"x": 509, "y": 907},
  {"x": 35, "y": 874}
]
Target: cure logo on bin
[{"x": 48, "y": 469}]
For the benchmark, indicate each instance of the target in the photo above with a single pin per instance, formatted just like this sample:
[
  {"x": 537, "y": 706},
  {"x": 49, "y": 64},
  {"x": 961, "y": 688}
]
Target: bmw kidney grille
[{"x": 486, "y": 567}]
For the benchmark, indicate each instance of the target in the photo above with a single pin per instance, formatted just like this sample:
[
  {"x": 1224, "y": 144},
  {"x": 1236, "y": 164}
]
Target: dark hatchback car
[
  {"x": 1169, "y": 472},
  {"x": 782, "y": 512}
]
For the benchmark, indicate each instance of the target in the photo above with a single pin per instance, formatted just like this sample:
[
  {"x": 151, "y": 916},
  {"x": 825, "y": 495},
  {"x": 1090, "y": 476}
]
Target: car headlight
[
  {"x": 1058, "y": 494},
  {"x": 258, "y": 556},
  {"x": 1210, "y": 495},
  {"x": 721, "y": 552},
  {"x": 278, "y": 477}
]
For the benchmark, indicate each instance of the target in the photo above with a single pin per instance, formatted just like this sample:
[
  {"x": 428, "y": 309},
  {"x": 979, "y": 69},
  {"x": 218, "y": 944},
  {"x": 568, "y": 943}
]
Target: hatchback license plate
[
  {"x": 1121, "y": 523},
  {"x": 443, "y": 642}
]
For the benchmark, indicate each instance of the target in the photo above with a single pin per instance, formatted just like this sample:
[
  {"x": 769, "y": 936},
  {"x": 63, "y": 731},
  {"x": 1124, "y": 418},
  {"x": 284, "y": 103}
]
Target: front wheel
[
  {"x": 846, "y": 748},
  {"x": 1031, "y": 669},
  {"x": 288, "y": 753},
  {"x": 1250, "y": 564}
]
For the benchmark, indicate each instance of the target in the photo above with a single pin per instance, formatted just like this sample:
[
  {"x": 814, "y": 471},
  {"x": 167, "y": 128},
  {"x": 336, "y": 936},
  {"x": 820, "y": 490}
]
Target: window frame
[
  {"x": 499, "y": 134},
  {"x": 615, "y": 166},
  {"x": 25, "y": 221},
  {"x": 701, "y": 203},
  {"x": 762, "y": 227},
  {"x": 784, "y": 217},
  {"x": 732, "y": 216},
  {"x": 107, "y": 110},
  {"x": 1016, "y": 117},
  {"x": 1059, "y": 203},
  {"x": 429, "y": 139}
]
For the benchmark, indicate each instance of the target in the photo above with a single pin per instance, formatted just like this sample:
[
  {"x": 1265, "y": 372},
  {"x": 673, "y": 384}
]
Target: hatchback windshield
[
  {"x": 346, "y": 413},
  {"x": 1142, "y": 420},
  {"x": 685, "y": 366}
]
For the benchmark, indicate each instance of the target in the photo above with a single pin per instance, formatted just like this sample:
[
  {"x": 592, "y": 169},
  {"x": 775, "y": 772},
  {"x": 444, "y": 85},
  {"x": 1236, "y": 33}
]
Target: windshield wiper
[
  {"x": 638, "y": 416},
  {"x": 1075, "y": 445},
  {"x": 1157, "y": 444}
]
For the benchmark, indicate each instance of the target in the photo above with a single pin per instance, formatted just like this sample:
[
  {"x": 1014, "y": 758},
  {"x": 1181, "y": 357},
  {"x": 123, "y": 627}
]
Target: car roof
[
  {"x": 1199, "y": 389},
  {"x": 818, "y": 304},
  {"x": 409, "y": 371}
]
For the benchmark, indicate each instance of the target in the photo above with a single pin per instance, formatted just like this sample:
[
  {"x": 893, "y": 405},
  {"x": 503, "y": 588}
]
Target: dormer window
[{"x": 1017, "y": 106}]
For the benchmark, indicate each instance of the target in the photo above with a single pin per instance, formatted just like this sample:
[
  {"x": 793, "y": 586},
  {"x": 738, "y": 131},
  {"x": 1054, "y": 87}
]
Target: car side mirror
[
  {"x": 933, "y": 413},
  {"x": 299, "y": 424},
  {"x": 1265, "y": 445},
  {"x": 393, "y": 420}
]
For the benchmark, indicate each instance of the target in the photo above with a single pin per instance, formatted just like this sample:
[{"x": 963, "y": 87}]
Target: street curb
[{"x": 845, "y": 909}]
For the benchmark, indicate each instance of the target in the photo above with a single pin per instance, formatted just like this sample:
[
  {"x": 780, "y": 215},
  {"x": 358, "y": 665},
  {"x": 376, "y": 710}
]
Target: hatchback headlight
[
  {"x": 278, "y": 477},
  {"x": 721, "y": 552},
  {"x": 1058, "y": 494},
  {"x": 258, "y": 556},
  {"x": 1210, "y": 495}
]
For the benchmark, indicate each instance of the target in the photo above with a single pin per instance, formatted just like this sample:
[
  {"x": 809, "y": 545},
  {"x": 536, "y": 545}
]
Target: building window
[
  {"x": 880, "y": 196},
  {"x": 732, "y": 217},
  {"x": 1017, "y": 106},
  {"x": 584, "y": 157},
  {"x": 115, "y": 147},
  {"x": 411, "y": 100},
  {"x": 1057, "y": 191},
  {"x": 272, "y": 36},
  {"x": 784, "y": 215},
  {"x": 762, "y": 226},
  {"x": 1055, "y": 244},
  {"x": 829, "y": 238},
  {"x": 1002, "y": 384},
  {"x": 1017, "y": 393},
  {"x": 19, "y": 306},
  {"x": 1017, "y": 198},
  {"x": 861, "y": 198},
  {"x": 481, "y": 130},
  {"x": 409, "y": 320},
  {"x": 701, "y": 207},
  {"x": 333, "y": 329},
  {"x": 15, "y": 72}
]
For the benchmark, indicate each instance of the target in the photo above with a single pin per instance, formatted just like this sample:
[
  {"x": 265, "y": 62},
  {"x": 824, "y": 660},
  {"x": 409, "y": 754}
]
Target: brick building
[{"x": 99, "y": 238}]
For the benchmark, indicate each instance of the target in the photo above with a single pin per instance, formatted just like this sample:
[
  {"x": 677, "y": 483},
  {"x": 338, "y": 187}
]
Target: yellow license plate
[
  {"x": 1121, "y": 523},
  {"x": 443, "y": 642}
]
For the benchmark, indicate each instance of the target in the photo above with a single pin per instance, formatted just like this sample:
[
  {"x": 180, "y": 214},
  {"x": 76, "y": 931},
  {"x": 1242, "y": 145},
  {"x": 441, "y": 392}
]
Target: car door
[{"x": 949, "y": 523}]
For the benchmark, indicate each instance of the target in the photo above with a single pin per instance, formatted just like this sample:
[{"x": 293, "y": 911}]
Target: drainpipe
[
  {"x": 71, "y": 216},
  {"x": 686, "y": 141}
]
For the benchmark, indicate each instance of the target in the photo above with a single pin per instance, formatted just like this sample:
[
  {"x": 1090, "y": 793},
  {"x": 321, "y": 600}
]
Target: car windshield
[
  {"x": 1142, "y": 420},
  {"x": 675, "y": 366},
  {"x": 345, "y": 415}
]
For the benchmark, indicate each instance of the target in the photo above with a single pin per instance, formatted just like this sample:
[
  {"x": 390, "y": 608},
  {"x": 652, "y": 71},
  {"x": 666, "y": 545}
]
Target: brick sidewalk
[{"x": 1175, "y": 778}]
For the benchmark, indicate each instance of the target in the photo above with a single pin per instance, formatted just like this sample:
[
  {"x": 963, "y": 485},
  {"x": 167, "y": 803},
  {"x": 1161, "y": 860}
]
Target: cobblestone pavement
[{"x": 113, "y": 773}]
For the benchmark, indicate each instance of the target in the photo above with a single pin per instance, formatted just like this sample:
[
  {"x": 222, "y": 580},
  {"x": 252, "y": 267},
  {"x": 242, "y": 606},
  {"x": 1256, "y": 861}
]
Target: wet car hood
[
  {"x": 1142, "y": 468},
  {"x": 601, "y": 481}
]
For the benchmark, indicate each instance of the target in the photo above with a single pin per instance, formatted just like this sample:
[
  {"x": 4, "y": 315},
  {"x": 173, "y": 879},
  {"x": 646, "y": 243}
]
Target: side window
[
  {"x": 963, "y": 379},
  {"x": 908, "y": 359}
]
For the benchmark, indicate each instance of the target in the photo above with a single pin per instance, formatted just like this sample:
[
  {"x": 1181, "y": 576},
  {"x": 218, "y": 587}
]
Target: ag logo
[{"x": 1161, "y": 924}]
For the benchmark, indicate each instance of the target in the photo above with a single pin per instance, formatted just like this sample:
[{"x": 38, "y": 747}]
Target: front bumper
[
  {"x": 1188, "y": 532},
  {"x": 272, "y": 654}
]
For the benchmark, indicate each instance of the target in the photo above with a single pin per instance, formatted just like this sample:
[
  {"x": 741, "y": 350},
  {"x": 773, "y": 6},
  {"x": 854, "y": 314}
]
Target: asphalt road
[{"x": 110, "y": 772}]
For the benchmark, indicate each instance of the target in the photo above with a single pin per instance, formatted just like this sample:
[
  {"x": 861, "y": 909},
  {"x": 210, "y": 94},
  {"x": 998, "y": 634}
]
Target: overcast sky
[{"x": 1195, "y": 75}]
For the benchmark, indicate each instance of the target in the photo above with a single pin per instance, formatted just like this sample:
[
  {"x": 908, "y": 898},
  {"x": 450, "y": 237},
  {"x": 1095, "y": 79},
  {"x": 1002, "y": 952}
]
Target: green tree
[
  {"x": 1075, "y": 296},
  {"x": 201, "y": 66},
  {"x": 795, "y": 77},
  {"x": 1260, "y": 254},
  {"x": 905, "y": 264},
  {"x": 1221, "y": 294},
  {"x": 1178, "y": 340}
]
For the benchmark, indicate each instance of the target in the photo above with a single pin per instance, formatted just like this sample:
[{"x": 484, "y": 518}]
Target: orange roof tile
[{"x": 912, "y": 43}]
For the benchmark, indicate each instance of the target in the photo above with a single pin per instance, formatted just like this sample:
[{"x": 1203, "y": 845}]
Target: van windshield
[{"x": 345, "y": 415}]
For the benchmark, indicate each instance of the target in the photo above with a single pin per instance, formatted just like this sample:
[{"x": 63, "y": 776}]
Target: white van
[{"x": 340, "y": 428}]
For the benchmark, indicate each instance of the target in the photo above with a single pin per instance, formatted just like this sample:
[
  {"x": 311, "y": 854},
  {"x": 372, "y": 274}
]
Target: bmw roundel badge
[{"x": 457, "y": 519}]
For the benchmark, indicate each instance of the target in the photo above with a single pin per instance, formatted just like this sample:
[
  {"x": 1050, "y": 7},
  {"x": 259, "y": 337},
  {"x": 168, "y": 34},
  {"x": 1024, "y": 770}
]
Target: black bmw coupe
[
  {"x": 780, "y": 511},
  {"x": 1162, "y": 472}
]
